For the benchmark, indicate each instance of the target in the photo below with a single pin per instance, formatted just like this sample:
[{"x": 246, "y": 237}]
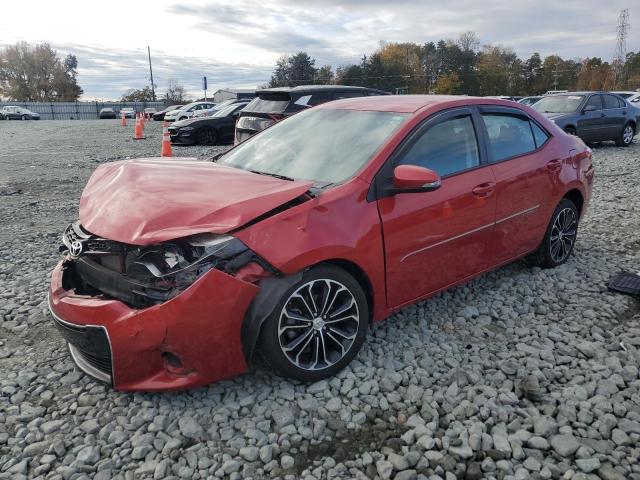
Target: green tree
[
  {"x": 31, "y": 73},
  {"x": 294, "y": 70},
  {"x": 138, "y": 95}
]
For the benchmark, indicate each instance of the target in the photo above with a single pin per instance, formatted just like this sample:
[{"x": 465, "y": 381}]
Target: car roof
[
  {"x": 319, "y": 88},
  {"x": 409, "y": 103}
]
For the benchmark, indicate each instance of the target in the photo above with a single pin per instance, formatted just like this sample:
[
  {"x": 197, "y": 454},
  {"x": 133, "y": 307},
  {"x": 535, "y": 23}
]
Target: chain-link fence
[{"x": 79, "y": 110}]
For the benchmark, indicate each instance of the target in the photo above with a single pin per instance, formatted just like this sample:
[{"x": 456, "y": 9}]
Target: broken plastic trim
[
  {"x": 272, "y": 291},
  {"x": 144, "y": 276}
]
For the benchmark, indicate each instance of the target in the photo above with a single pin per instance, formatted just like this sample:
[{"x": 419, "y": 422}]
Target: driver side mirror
[
  {"x": 589, "y": 108},
  {"x": 413, "y": 178}
]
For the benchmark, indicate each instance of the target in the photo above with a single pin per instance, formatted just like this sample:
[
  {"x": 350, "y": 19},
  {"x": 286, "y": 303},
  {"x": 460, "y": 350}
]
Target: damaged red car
[{"x": 180, "y": 272}]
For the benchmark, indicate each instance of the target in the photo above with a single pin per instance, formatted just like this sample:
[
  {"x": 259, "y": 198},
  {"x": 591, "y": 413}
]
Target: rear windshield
[{"x": 271, "y": 102}]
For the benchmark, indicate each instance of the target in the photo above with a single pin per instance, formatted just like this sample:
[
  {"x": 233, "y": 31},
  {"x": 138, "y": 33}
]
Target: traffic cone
[
  {"x": 123, "y": 120},
  {"x": 166, "y": 141},
  {"x": 142, "y": 119},
  {"x": 137, "y": 132}
]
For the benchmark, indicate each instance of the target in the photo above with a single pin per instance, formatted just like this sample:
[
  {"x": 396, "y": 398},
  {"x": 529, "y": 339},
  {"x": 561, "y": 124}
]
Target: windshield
[
  {"x": 223, "y": 104},
  {"x": 226, "y": 111},
  {"x": 323, "y": 145},
  {"x": 558, "y": 104}
]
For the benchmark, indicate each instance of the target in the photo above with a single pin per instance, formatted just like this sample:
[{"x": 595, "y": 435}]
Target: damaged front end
[{"x": 143, "y": 276}]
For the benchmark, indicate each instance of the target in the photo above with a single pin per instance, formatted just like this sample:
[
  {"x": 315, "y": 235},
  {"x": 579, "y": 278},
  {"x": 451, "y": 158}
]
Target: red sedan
[{"x": 296, "y": 240}]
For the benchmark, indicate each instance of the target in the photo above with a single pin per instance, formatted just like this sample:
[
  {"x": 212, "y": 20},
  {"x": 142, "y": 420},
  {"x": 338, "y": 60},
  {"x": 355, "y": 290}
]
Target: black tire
[
  {"x": 25, "y": 117},
  {"x": 183, "y": 118},
  {"x": 207, "y": 136},
  {"x": 570, "y": 131},
  {"x": 626, "y": 135},
  {"x": 316, "y": 334},
  {"x": 556, "y": 249}
]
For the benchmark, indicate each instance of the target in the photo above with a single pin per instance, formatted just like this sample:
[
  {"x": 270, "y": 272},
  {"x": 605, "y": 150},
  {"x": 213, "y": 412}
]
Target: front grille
[{"x": 91, "y": 344}]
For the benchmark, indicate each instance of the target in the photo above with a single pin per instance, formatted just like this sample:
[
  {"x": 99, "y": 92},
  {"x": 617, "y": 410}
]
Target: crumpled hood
[{"x": 147, "y": 201}]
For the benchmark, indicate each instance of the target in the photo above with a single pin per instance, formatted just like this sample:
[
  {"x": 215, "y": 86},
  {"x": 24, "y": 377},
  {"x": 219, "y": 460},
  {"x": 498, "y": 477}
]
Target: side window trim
[
  {"x": 385, "y": 173},
  {"x": 514, "y": 113}
]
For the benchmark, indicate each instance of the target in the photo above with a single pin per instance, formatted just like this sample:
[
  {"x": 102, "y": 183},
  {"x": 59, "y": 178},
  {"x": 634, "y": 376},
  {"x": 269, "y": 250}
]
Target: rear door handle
[
  {"x": 554, "y": 165},
  {"x": 484, "y": 189}
]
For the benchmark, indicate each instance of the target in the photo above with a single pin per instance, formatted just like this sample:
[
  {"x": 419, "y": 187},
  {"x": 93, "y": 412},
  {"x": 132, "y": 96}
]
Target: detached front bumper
[{"x": 191, "y": 340}]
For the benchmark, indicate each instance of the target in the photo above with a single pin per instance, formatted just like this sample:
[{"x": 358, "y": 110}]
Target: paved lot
[{"x": 522, "y": 373}]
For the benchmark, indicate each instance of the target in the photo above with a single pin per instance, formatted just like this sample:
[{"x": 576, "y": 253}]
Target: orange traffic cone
[
  {"x": 137, "y": 132},
  {"x": 123, "y": 120},
  {"x": 166, "y": 141},
  {"x": 142, "y": 120}
]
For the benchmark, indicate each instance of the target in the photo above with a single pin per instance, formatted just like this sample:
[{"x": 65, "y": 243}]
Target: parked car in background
[
  {"x": 128, "y": 112},
  {"x": 219, "y": 106},
  {"x": 19, "y": 113},
  {"x": 528, "y": 101},
  {"x": 273, "y": 104},
  {"x": 107, "y": 113},
  {"x": 215, "y": 129},
  {"x": 2, "y": 117},
  {"x": 179, "y": 272},
  {"x": 554, "y": 92},
  {"x": 631, "y": 97},
  {"x": 149, "y": 112},
  {"x": 592, "y": 116},
  {"x": 159, "y": 116},
  {"x": 187, "y": 111}
]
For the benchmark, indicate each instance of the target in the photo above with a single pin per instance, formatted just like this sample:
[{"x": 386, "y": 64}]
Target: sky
[{"x": 236, "y": 44}]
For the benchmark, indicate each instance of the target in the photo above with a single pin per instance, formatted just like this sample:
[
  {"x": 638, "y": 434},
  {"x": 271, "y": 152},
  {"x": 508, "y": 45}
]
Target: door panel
[
  {"x": 434, "y": 239},
  {"x": 592, "y": 125},
  {"x": 524, "y": 187},
  {"x": 614, "y": 117}
]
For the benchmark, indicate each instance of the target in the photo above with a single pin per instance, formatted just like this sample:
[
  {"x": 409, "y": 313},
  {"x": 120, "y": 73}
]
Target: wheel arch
[
  {"x": 272, "y": 289},
  {"x": 576, "y": 196}
]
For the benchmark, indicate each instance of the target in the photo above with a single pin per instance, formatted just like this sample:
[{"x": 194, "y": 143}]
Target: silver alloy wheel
[
  {"x": 627, "y": 134},
  {"x": 318, "y": 324},
  {"x": 563, "y": 235}
]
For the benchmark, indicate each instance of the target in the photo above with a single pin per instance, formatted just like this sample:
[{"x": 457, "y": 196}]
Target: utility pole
[
  {"x": 555, "y": 74},
  {"x": 153, "y": 88}
]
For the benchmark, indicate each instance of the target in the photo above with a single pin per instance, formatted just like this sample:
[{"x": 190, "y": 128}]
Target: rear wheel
[
  {"x": 317, "y": 327},
  {"x": 207, "y": 136},
  {"x": 560, "y": 237},
  {"x": 626, "y": 136},
  {"x": 25, "y": 117}
]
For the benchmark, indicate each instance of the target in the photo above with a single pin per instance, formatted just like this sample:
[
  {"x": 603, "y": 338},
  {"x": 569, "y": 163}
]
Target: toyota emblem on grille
[{"x": 76, "y": 248}]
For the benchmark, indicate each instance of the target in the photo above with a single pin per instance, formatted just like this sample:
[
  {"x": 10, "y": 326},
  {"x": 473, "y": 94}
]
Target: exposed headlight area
[{"x": 142, "y": 276}]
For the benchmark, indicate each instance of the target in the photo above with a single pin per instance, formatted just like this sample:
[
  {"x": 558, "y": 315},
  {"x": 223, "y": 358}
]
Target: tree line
[{"x": 460, "y": 66}]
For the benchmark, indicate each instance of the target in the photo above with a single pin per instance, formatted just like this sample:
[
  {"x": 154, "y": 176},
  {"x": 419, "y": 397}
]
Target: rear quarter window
[{"x": 275, "y": 102}]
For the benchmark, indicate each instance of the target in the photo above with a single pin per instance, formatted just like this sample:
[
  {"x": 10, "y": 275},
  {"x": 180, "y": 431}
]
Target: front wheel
[
  {"x": 560, "y": 236},
  {"x": 207, "y": 136},
  {"x": 25, "y": 117},
  {"x": 570, "y": 131},
  {"x": 317, "y": 327},
  {"x": 626, "y": 136}
]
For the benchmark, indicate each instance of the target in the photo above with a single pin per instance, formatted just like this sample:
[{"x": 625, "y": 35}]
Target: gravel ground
[{"x": 522, "y": 373}]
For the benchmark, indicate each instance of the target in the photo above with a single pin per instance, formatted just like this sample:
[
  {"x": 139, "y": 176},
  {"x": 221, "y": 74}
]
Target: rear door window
[
  {"x": 610, "y": 102},
  {"x": 509, "y": 135}
]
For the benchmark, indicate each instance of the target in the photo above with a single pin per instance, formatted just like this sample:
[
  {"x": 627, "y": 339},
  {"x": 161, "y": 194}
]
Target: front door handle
[{"x": 484, "y": 189}]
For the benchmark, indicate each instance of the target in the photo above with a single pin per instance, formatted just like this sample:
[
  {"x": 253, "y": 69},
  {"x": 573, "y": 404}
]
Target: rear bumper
[{"x": 201, "y": 327}]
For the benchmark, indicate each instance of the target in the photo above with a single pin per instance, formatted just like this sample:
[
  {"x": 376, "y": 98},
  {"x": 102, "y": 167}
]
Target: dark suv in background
[
  {"x": 592, "y": 116},
  {"x": 273, "y": 104}
]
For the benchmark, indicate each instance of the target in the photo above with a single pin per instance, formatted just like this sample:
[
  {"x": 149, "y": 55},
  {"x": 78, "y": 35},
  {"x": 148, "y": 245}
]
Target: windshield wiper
[{"x": 275, "y": 175}]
